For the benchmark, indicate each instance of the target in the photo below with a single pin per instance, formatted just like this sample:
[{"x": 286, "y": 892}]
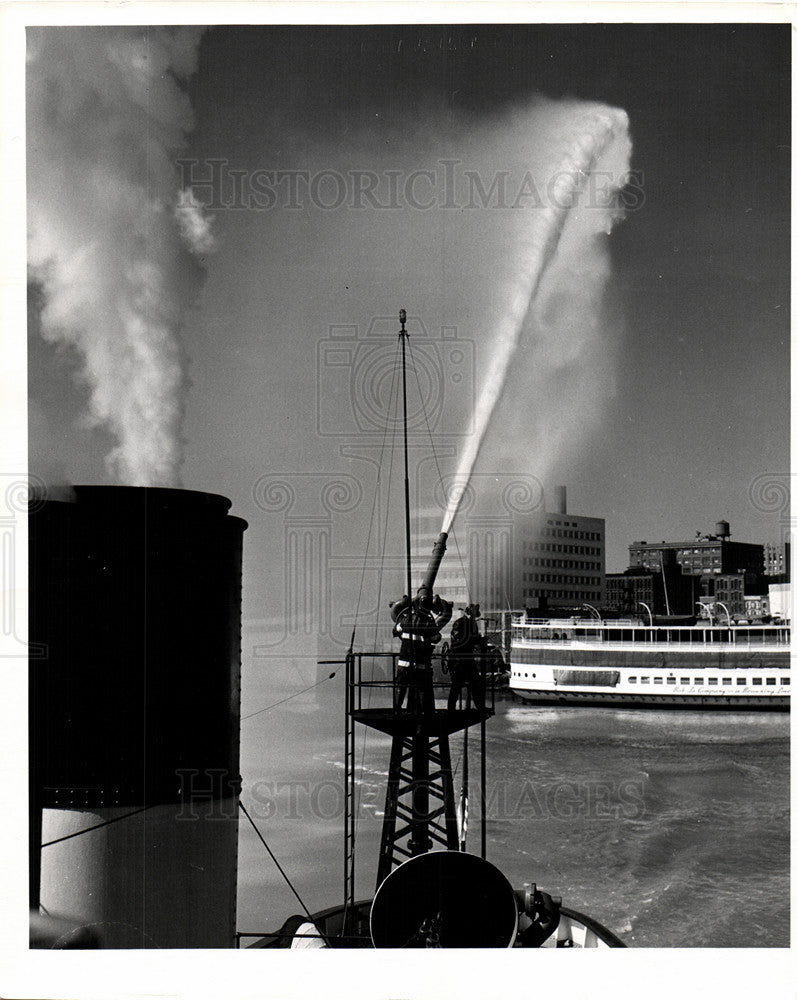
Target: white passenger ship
[{"x": 574, "y": 661}]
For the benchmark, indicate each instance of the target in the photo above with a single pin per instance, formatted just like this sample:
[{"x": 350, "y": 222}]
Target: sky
[{"x": 689, "y": 376}]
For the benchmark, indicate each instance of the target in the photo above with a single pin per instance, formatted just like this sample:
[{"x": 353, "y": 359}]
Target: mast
[
  {"x": 403, "y": 335},
  {"x": 420, "y": 811}
]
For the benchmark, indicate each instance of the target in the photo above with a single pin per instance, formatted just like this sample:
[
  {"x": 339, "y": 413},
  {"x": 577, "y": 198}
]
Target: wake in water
[{"x": 582, "y": 205}]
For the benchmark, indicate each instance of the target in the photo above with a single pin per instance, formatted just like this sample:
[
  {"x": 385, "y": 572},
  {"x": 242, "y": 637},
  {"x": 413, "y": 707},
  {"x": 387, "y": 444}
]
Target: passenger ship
[{"x": 574, "y": 661}]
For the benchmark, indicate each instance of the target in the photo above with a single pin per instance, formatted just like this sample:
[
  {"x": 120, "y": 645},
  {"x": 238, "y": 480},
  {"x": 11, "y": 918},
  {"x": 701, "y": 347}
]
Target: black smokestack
[{"x": 134, "y": 709}]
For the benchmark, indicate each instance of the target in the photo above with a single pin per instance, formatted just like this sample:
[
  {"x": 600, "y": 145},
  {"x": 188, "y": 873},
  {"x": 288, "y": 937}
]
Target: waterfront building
[
  {"x": 780, "y": 601},
  {"x": 509, "y": 557},
  {"x": 707, "y": 556},
  {"x": 561, "y": 557},
  {"x": 667, "y": 592},
  {"x": 756, "y": 607},
  {"x": 777, "y": 560}
]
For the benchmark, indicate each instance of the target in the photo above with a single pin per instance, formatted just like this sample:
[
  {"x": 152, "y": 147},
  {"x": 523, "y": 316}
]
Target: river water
[{"x": 671, "y": 828}]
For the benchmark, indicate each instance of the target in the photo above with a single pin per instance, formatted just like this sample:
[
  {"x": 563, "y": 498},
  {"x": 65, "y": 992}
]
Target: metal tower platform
[{"x": 420, "y": 811}]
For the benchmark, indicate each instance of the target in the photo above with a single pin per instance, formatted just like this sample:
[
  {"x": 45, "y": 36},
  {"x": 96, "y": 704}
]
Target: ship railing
[
  {"x": 374, "y": 681},
  {"x": 616, "y": 634}
]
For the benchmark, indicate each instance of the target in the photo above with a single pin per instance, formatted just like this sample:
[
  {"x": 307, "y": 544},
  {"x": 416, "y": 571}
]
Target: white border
[{"x": 595, "y": 975}]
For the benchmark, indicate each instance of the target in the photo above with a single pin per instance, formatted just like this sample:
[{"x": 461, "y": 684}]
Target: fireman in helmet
[
  {"x": 467, "y": 646},
  {"x": 418, "y": 624}
]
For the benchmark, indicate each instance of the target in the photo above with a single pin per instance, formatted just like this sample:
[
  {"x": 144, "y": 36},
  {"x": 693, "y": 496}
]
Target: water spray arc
[{"x": 575, "y": 169}]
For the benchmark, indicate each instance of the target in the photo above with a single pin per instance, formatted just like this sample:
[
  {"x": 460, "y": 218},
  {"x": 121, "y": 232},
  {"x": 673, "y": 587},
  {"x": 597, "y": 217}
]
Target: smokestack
[
  {"x": 134, "y": 714},
  {"x": 559, "y": 502}
]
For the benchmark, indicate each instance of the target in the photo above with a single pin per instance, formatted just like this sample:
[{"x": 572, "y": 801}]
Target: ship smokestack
[
  {"x": 426, "y": 588},
  {"x": 135, "y": 714},
  {"x": 559, "y": 505}
]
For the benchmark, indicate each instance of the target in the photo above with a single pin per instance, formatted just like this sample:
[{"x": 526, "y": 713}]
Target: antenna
[{"x": 404, "y": 335}]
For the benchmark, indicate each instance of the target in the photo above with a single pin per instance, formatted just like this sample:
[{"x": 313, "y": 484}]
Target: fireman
[
  {"x": 418, "y": 624},
  {"x": 467, "y": 646}
]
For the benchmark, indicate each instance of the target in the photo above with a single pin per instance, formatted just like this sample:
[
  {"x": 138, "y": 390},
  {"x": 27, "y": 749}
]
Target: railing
[
  {"x": 373, "y": 681},
  {"x": 556, "y": 633}
]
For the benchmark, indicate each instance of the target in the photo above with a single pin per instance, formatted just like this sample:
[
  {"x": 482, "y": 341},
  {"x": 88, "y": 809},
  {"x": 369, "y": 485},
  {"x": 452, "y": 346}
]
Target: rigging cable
[
  {"x": 98, "y": 826},
  {"x": 295, "y": 694},
  {"x": 281, "y": 870}
]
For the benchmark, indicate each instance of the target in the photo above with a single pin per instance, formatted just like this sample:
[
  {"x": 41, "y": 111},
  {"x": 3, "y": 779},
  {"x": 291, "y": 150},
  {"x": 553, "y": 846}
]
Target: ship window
[
  {"x": 671, "y": 680},
  {"x": 727, "y": 680},
  {"x": 645, "y": 680},
  {"x": 771, "y": 680},
  {"x": 698, "y": 680},
  {"x": 741, "y": 681},
  {"x": 757, "y": 681},
  {"x": 712, "y": 681},
  {"x": 785, "y": 680},
  {"x": 658, "y": 680},
  {"x": 632, "y": 680}
]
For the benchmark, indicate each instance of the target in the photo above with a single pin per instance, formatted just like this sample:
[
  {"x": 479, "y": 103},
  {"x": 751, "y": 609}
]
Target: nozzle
[{"x": 426, "y": 588}]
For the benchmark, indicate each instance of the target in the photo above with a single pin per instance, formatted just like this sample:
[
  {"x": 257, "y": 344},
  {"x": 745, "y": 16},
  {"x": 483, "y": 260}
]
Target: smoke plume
[{"x": 111, "y": 238}]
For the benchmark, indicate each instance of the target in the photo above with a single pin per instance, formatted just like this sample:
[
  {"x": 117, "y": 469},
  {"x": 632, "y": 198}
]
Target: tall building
[
  {"x": 507, "y": 558},
  {"x": 561, "y": 557}
]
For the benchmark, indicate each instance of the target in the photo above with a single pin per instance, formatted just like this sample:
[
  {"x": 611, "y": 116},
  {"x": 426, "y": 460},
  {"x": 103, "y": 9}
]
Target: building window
[
  {"x": 698, "y": 680},
  {"x": 757, "y": 681},
  {"x": 632, "y": 680},
  {"x": 658, "y": 680},
  {"x": 741, "y": 681},
  {"x": 771, "y": 681},
  {"x": 645, "y": 680},
  {"x": 727, "y": 680},
  {"x": 712, "y": 681},
  {"x": 785, "y": 680},
  {"x": 684, "y": 680}
]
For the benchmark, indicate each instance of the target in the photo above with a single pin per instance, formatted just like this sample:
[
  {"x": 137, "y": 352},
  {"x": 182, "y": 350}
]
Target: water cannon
[{"x": 426, "y": 588}]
